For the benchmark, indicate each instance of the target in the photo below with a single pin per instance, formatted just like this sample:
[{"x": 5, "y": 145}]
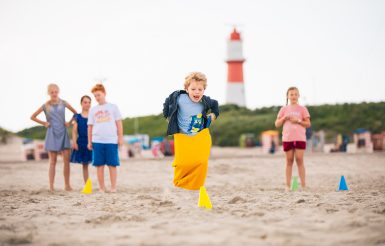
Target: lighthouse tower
[{"x": 235, "y": 91}]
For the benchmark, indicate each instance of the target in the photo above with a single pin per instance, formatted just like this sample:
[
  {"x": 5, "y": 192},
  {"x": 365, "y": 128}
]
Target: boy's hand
[
  {"x": 67, "y": 124},
  {"x": 46, "y": 124},
  {"x": 75, "y": 146},
  {"x": 212, "y": 115},
  {"x": 89, "y": 146}
]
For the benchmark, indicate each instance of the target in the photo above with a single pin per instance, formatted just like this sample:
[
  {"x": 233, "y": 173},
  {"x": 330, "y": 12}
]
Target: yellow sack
[{"x": 191, "y": 159}]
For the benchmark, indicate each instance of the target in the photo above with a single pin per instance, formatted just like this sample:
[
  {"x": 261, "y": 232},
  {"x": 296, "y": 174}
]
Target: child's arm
[
  {"x": 279, "y": 121},
  {"x": 281, "y": 118},
  {"x": 34, "y": 118},
  {"x": 89, "y": 129},
  {"x": 71, "y": 108},
  {"x": 166, "y": 106},
  {"x": 73, "y": 111},
  {"x": 214, "y": 107},
  {"x": 119, "y": 126},
  {"x": 305, "y": 122},
  {"x": 75, "y": 136}
]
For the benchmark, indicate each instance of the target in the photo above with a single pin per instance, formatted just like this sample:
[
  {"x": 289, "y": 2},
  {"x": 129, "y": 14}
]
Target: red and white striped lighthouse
[{"x": 235, "y": 91}]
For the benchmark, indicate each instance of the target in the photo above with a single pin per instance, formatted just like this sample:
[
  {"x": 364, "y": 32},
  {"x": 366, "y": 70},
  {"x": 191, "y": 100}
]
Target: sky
[{"x": 333, "y": 50}]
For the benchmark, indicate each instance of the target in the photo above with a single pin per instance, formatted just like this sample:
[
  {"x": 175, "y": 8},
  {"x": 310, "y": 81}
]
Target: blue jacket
[{"x": 170, "y": 110}]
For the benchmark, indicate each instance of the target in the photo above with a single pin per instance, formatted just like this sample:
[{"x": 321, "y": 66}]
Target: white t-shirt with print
[{"x": 103, "y": 119}]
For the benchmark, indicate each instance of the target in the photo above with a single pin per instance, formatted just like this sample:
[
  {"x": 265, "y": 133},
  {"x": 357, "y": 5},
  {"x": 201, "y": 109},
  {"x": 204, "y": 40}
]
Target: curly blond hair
[{"x": 195, "y": 76}]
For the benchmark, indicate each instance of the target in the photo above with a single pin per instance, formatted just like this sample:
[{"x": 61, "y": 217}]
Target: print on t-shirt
[
  {"x": 196, "y": 123},
  {"x": 294, "y": 113},
  {"x": 102, "y": 116}
]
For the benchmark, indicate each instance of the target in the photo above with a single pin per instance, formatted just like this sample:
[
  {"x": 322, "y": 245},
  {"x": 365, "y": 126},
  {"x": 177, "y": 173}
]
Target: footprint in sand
[
  {"x": 7, "y": 228},
  {"x": 31, "y": 200},
  {"x": 380, "y": 211},
  {"x": 136, "y": 218},
  {"x": 236, "y": 200},
  {"x": 148, "y": 197},
  {"x": 238, "y": 212},
  {"x": 331, "y": 210},
  {"x": 258, "y": 214},
  {"x": 165, "y": 203},
  {"x": 19, "y": 240},
  {"x": 357, "y": 224},
  {"x": 39, "y": 192},
  {"x": 159, "y": 225},
  {"x": 301, "y": 201},
  {"x": 107, "y": 219}
]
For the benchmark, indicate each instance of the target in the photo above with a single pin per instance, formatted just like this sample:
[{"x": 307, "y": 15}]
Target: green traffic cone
[{"x": 294, "y": 184}]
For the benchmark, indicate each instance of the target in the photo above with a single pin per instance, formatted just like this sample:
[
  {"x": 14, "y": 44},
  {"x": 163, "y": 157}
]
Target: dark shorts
[
  {"x": 294, "y": 145},
  {"x": 105, "y": 154}
]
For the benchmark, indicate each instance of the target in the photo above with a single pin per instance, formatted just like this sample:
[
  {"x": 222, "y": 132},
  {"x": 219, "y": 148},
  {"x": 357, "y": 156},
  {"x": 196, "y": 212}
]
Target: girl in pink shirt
[{"x": 295, "y": 119}]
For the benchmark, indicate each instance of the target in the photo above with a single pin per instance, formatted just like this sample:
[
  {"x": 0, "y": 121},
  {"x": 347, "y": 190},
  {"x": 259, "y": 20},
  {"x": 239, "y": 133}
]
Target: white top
[{"x": 103, "y": 119}]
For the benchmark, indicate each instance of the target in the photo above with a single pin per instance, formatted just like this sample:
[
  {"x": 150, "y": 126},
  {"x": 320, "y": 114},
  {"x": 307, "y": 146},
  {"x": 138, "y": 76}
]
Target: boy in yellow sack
[{"x": 189, "y": 114}]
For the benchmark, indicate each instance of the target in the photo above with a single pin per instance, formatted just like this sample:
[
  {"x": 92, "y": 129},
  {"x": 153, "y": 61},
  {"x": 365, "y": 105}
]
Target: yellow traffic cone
[
  {"x": 87, "y": 187},
  {"x": 204, "y": 199}
]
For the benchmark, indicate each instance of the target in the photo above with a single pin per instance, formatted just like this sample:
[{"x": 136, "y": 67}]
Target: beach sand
[{"x": 250, "y": 206}]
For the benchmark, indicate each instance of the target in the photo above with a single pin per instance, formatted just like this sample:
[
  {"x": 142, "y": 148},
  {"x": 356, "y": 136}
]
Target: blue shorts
[{"x": 105, "y": 154}]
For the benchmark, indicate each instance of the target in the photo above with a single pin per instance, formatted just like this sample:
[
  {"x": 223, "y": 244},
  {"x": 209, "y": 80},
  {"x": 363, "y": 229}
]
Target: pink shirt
[{"x": 291, "y": 131}]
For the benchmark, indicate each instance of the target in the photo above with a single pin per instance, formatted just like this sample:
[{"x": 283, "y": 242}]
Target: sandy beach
[{"x": 250, "y": 206}]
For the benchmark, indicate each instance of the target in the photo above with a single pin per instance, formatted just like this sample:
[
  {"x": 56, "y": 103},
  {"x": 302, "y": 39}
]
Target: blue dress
[
  {"x": 83, "y": 155},
  {"x": 56, "y": 138}
]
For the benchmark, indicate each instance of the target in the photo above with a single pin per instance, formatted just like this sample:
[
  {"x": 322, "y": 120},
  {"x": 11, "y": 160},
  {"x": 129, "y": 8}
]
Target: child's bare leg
[
  {"x": 100, "y": 173},
  {"x": 289, "y": 167},
  {"x": 113, "y": 177},
  {"x": 52, "y": 169},
  {"x": 85, "y": 172},
  {"x": 301, "y": 166},
  {"x": 66, "y": 169}
]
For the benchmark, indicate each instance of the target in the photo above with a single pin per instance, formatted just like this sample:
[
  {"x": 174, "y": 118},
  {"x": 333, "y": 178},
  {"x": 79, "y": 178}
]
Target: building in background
[{"x": 235, "y": 91}]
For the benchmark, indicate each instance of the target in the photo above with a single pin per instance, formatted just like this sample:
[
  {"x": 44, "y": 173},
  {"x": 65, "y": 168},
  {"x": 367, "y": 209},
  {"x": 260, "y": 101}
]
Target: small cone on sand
[
  {"x": 343, "y": 185},
  {"x": 87, "y": 187},
  {"x": 204, "y": 199},
  {"x": 294, "y": 184}
]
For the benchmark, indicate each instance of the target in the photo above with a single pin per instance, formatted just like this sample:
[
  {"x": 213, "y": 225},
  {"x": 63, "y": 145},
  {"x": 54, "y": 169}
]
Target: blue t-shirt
[{"x": 190, "y": 120}]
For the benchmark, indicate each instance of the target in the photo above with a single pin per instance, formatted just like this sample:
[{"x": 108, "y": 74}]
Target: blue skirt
[{"x": 83, "y": 155}]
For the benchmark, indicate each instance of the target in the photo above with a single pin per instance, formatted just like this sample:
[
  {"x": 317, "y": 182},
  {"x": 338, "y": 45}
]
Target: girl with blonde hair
[{"x": 56, "y": 139}]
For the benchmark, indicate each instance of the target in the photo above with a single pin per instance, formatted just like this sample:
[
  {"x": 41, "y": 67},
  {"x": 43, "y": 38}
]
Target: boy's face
[
  {"x": 100, "y": 97},
  {"x": 195, "y": 90},
  {"x": 293, "y": 96}
]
